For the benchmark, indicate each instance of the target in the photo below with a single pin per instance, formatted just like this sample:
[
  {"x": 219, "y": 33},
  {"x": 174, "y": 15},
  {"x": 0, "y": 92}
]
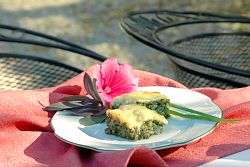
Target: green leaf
[
  {"x": 188, "y": 110},
  {"x": 200, "y": 117},
  {"x": 92, "y": 120},
  {"x": 205, "y": 116}
]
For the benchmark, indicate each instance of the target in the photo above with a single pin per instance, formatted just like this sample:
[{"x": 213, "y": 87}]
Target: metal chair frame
[
  {"x": 145, "y": 26},
  {"x": 29, "y": 37}
]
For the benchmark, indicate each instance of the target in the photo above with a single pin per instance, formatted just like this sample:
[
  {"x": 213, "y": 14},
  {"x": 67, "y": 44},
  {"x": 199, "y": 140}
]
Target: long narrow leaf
[
  {"x": 194, "y": 111},
  {"x": 200, "y": 117},
  {"x": 188, "y": 109}
]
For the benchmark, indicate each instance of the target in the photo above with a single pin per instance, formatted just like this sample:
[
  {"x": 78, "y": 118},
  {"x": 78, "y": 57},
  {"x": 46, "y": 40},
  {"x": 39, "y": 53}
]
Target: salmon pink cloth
[{"x": 27, "y": 139}]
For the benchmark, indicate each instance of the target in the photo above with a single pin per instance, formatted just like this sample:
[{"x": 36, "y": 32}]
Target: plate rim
[{"x": 208, "y": 131}]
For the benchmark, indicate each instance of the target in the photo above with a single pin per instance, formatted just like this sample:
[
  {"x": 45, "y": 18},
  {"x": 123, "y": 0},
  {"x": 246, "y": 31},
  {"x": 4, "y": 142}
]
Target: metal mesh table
[
  {"x": 207, "y": 49},
  {"x": 25, "y": 72},
  {"x": 21, "y": 71}
]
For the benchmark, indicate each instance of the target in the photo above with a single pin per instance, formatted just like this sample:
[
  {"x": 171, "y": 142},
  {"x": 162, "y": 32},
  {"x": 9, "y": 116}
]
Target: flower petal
[
  {"x": 125, "y": 80},
  {"x": 114, "y": 79},
  {"x": 108, "y": 71}
]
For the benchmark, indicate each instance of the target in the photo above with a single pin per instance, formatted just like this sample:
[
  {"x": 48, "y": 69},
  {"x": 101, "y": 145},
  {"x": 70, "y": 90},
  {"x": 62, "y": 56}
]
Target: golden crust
[{"x": 134, "y": 115}]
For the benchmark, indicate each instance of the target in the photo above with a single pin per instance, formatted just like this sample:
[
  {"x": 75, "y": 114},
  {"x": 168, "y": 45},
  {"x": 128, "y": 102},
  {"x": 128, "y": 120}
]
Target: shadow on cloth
[
  {"x": 49, "y": 150},
  {"x": 223, "y": 150}
]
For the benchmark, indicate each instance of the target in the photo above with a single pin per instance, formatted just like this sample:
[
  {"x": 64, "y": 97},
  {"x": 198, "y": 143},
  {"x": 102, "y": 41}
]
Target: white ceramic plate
[{"x": 179, "y": 131}]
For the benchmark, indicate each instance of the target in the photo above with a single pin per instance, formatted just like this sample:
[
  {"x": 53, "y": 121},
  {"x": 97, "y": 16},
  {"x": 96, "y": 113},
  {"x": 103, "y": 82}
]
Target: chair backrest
[
  {"x": 199, "y": 56},
  {"x": 29, "y": 71}
]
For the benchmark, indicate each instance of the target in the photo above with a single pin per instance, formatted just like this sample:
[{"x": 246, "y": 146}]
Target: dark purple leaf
[
  {"x": 90, "y": 107},
  {"x": 83, "y": 111},
  {"x": 102, "y": 110},
  {"x": 63, "y": 106},
  {"x": 90, "y": 88},
  {"x": 91, "y": 102},
  {"x": 75, "y": 98},
  {"x": 95, "y": 91},
  {"x": 88, "y": 84}
]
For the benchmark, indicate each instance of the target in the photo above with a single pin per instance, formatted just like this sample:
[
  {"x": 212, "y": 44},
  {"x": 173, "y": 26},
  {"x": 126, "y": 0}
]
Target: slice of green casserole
[
  {"x": 134, "y": 122},
  {"x": 152, "y": 100}
]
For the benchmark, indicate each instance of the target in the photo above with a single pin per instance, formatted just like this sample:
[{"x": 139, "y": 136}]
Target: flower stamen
[{"x": 107, "y": 89}]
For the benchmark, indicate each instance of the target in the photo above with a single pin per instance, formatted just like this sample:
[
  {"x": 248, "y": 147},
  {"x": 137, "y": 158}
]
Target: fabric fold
[{"x": 27, "y": 139}]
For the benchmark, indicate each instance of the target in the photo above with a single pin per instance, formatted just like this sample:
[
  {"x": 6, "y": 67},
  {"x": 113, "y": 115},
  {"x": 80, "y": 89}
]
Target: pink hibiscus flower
[{"x": 114, "y": 79}]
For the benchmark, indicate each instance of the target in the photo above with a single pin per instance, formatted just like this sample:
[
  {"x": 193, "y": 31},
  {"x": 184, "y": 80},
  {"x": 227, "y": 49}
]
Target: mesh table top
[
  {"x": 24, "y": 72},
  {"x": 21, "y": 71}
]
